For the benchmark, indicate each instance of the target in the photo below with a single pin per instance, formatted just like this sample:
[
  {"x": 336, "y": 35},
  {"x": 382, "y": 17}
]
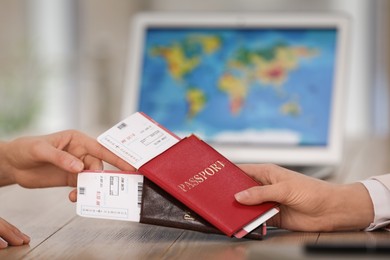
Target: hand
[
  {"x": 53, "y": 160},
  {"x": 10, "y": 235},
  {"x": 48, "y": 161},
  {"x": 308, "y": 204}
]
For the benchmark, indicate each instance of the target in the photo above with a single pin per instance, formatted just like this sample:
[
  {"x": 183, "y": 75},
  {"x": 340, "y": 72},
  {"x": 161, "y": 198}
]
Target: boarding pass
[
  {"x": 137, "y": 139},
  {"x": 109, "y": 195}
]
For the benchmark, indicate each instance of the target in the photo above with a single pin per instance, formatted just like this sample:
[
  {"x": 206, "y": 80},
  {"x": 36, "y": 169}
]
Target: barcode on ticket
[
  {"x": 81, "y": 190},
  {"x": 140, "y": 184},
  {"x": 121, "y": 126}
]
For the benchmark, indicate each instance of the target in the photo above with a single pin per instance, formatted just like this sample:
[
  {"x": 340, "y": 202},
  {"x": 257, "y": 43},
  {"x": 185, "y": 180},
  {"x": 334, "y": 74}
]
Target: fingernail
[
  {"x": 26, "y": 238},
  {"x": 77, "y": 166},
  {"x": 241, "y": 195},
  {"x": 3, "y": 243}
]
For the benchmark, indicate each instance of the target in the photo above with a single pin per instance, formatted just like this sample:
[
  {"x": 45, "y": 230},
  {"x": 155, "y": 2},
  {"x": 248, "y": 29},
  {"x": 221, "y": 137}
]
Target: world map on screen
[{"x": 269, "y": 86}]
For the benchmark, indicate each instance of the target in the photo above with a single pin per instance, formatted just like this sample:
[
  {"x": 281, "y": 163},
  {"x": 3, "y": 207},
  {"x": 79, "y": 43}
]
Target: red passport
[{"x": 205, "y": 181}]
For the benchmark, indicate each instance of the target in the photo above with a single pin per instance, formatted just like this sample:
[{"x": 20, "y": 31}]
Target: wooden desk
[{"x": 56, "y": 232}]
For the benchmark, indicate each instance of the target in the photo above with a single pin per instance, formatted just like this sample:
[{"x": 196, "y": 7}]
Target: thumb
[
  {"x": 73, "y": 195},
  {"x": 61, "y": 159},
  {"x": 259, "y": 194}
]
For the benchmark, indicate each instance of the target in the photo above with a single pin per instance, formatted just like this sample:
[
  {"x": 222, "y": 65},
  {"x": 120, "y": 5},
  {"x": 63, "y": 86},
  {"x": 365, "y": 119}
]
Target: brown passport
[{"x": 160, "y": 208}]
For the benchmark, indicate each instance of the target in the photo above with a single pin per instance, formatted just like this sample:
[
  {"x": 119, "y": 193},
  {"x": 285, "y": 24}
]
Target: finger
[
  {"x": 114, "y": 160},
  {"x": 260, "y": 194},
  {"x": 97, "y": 150},
  {"x": 263, "y": 173},
  {"x": 72, "y": 179},
  {"x": 92, "y": 163},
  {"x": 73, "y": 195},
  {"x": 12, "y": 235},
  {"x": 267, "y": 173},
  {"x": 59, "y": 158},
  {"x": 3, "y": 243}
]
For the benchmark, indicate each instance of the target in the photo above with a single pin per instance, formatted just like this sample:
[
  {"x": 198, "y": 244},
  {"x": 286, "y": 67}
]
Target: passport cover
[
  {"x": 205, "y": 181},
  {"x": 160, "y": 208}
]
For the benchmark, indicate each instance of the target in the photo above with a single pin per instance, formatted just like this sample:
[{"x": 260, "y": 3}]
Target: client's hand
[{"x": 308, "y": 204}]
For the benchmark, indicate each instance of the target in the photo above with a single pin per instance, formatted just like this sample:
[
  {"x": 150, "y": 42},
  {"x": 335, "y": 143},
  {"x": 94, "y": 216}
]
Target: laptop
[{"x": 258, "y": 87}]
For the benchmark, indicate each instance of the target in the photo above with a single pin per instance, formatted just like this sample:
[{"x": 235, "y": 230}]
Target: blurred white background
[{"x": 63, "y": 62}]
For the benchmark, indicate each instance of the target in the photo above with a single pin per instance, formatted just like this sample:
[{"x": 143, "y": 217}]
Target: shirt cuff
[{"x": 380, "y": 197}]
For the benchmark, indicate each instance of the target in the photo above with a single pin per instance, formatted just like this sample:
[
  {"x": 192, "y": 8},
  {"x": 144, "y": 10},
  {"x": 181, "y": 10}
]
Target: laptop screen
[{"x": 255, "y": 86}]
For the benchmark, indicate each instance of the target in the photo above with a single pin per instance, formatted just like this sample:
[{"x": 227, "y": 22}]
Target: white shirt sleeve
[{"x": 380, "y": 197}]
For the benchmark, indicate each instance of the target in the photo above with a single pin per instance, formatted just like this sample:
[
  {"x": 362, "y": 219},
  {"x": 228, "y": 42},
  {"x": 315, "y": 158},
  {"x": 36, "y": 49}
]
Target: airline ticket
[
  {"x": 109, "y": 195},
  {"x": 137, "y": 139}
]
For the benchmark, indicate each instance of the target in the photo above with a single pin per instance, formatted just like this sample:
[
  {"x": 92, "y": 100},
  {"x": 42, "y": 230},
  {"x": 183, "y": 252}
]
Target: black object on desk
[{"x": 340, "y": 248}]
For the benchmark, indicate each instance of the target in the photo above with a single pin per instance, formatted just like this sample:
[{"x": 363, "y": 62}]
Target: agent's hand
[{"x": 308, "y": 204}]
